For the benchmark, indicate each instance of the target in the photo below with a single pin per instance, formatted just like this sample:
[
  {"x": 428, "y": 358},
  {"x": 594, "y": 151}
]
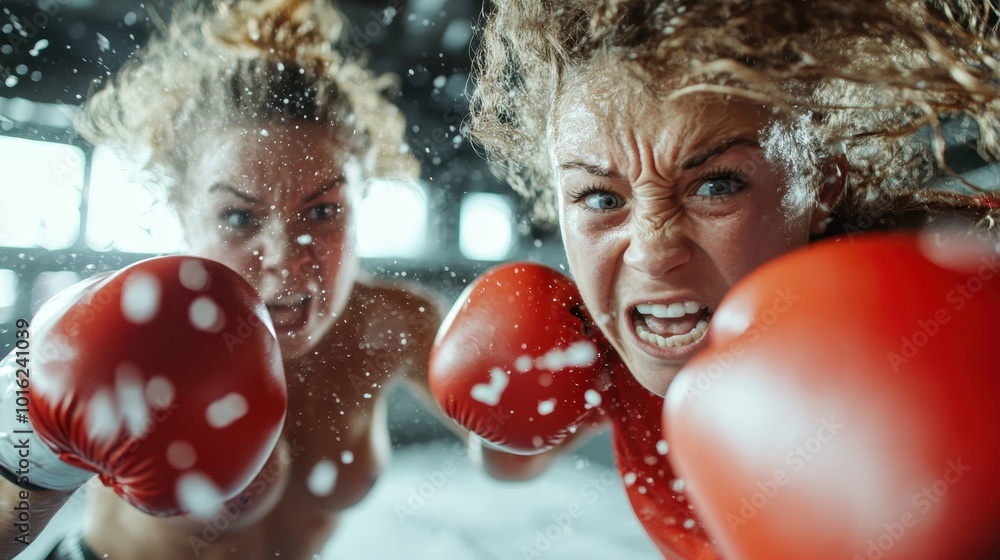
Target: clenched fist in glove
[
  {"x": 518, "y": 361},
  {"x": 164, "y": 379},
  {"x": 855, "y": 418}
]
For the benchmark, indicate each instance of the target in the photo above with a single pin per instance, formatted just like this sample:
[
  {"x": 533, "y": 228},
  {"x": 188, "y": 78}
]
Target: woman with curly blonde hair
[
  {"x": 262, "y": 137},
  {"x": 684, "y": 143}
]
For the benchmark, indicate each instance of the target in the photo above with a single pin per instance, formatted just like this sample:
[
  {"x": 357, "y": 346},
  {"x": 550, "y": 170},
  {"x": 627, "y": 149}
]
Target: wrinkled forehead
[
  {"x": 275, "y": 158},
  {"x": 272, "y": 148},
  {"x": 607, "y": 100}
]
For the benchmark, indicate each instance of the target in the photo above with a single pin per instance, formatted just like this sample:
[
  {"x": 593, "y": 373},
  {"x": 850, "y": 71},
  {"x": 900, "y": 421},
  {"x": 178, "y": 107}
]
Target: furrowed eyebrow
[
  {"x": 334, "y": 183},
  {"x": 589, "y": 168},
  {"x": 688, "y": 163},
  {"x": 701, "y": 158},
  {"x": 227, "y": 188}
]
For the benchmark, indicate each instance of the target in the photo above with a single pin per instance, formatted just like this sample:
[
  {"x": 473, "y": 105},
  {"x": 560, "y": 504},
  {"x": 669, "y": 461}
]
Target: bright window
[
  {"x": 49, "y": 284},
  {"x": 8, "y": 295},
  {"x": 122, "y": 215},
  {"x": 392, "y": 220},
  {"x": 486, "y": 227},
  {"x": 40, "y": 189}
]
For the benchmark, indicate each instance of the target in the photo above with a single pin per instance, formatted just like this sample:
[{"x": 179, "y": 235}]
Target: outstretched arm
[
  {"x": 130, "y": 377},
  {"x": 425, "y": 313},
  {"x": 519, "y": 364}
]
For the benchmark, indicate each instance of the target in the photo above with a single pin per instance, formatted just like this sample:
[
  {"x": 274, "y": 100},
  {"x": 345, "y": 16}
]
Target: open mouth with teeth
[
  {"x": 289, "y": 313},
  {"x": 671, "y": 325}
]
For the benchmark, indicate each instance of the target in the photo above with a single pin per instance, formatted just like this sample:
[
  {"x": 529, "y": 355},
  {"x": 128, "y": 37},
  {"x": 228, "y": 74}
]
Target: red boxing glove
[
  {"x": 845, "y": 406},
  {"x": 164, "y": 378},
  {"x": 517, "y": 361}
]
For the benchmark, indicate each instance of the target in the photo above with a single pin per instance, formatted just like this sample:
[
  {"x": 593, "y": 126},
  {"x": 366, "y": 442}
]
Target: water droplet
[
  {"x": 140, "y": 298},
  {"x": 547, "y": 406},
  {"x": 198, "y": 494},
  {"x": 205, "y": 315},
  {"x": 193, "y": 275},
  {"x": 181, "y": 455},
  {"x": 226, "y": 410},
  {"x": 322, "y": 478}
]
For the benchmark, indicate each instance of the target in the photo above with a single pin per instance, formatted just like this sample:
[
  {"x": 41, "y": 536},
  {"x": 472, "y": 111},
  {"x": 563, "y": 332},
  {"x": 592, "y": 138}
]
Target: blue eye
[
  {"x": 324, "y": 211},
  {"x": 719, "y": 187},
  {"x": 239, "y": 219},
  {"x": 603, "y": 200}
]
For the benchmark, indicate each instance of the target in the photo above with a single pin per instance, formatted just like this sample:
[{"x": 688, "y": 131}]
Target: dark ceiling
[{"x": 51, "y": 51}]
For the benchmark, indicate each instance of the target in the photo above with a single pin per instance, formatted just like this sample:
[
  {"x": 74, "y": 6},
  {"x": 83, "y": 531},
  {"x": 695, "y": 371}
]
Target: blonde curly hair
[
  {"x": 874, "y": 75},
  {"x": 234, "y": 62}
]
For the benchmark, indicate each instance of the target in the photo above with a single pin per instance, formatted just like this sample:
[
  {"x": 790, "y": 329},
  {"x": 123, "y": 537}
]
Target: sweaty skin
[
  {"x": 668, "y": 201},
  {"x": 278, "y": 208},
  {"x": 331, "y": 421},
  {"x": 664, "y": 205}
]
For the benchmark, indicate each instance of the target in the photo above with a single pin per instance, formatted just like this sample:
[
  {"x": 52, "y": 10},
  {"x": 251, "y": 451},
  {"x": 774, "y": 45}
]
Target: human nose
[
  {"x": 655, "y": 249},
  {"x": 280, "y": 250}
]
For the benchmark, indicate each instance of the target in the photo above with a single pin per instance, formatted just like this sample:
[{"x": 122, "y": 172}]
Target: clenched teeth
[
  {"x": 671, "y": 311},
  {"x": 676, "y": 310},
  {"x": 671, "y": 341}
]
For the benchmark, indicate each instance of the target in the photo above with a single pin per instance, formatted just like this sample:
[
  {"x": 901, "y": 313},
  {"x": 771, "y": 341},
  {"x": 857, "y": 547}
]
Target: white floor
[
  {"x": 577, "y": 509},
  {"x": 431, "y": 503}
]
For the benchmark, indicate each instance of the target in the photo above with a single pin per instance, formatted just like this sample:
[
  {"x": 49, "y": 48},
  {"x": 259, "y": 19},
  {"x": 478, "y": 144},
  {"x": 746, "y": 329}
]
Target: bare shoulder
[
  {"x": 398, "y": 301},
  {"x": 396, "y": 322}
]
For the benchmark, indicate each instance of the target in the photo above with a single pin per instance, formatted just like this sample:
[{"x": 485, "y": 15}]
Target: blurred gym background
[{"x": 68, "y": 211}]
